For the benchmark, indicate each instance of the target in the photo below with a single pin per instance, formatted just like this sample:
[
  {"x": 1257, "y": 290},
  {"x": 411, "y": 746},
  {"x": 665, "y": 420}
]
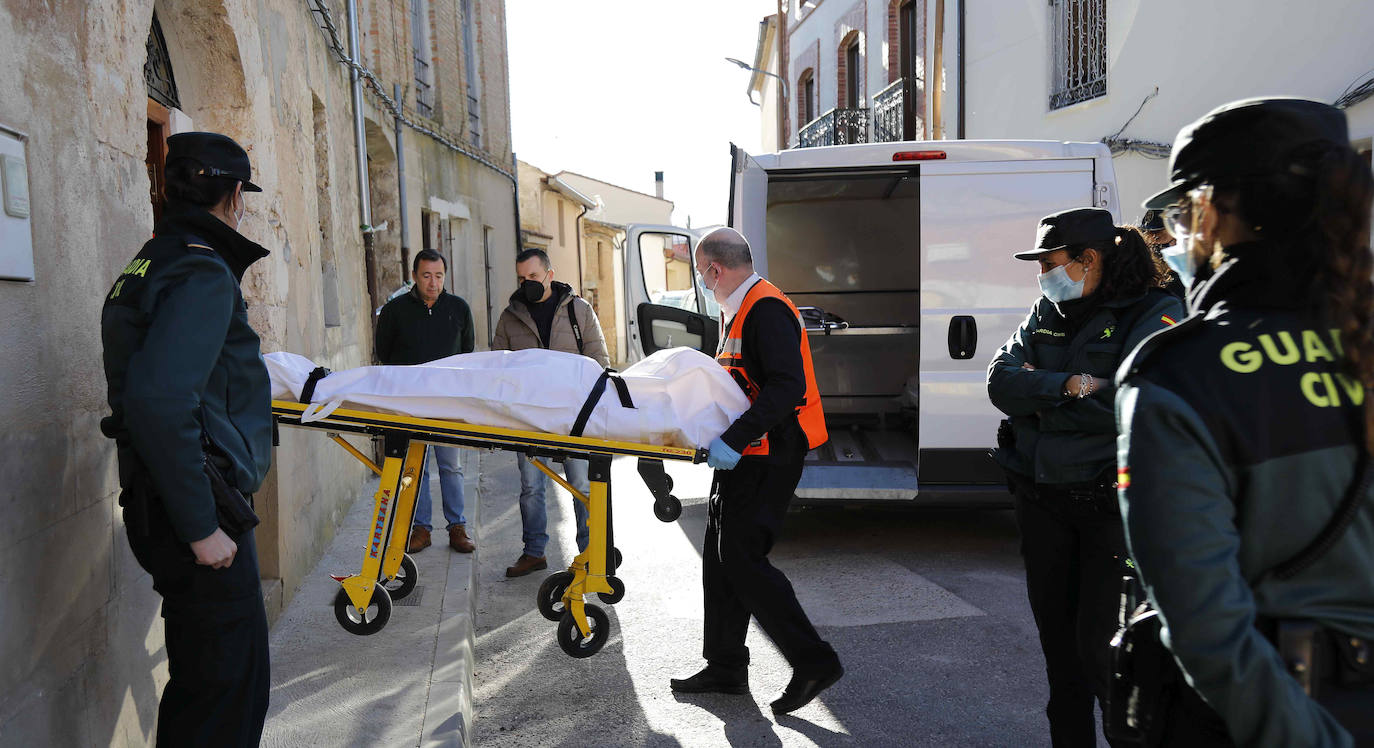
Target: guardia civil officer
[
  {"x": 187, "y": 383},
  {"x": 1101, "y": 297},
  {"x": 1245, "y": 428},
  {"x": 758, "y": 462}
]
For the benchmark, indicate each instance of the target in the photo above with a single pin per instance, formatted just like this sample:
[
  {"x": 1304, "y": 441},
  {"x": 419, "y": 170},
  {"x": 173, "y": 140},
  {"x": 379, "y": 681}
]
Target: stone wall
[{"x": 81, "y": 649}]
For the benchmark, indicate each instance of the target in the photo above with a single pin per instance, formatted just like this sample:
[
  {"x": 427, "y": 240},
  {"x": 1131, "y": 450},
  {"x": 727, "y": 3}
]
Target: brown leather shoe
[
  {"x": 526, "y": 564},
  {"x": 419, "y": 539},
  {"x": 458, "y": 539}
]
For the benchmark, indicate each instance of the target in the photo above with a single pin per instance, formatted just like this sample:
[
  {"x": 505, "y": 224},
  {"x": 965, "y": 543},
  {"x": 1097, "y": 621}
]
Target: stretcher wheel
[
  {"x": 549, "y": 598},
  {"x": 617, "y": 591},
  {"x": 667, "y": 483},
  {"x": 668, "y": 510},
  {"x": 619, "y": 559},
  {"x": 571, "y": 639},
  {"x": 378, "y": 612},
  {"x": 406, "y": 578}
]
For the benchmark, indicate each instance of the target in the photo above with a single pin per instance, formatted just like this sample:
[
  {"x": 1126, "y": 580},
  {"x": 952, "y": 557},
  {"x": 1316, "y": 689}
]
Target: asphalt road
[{"x": 927, "y": 610}]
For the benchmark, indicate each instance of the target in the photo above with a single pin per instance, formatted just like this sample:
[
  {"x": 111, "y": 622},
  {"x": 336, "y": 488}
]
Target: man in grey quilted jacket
[{"x": 544, "y": 313}]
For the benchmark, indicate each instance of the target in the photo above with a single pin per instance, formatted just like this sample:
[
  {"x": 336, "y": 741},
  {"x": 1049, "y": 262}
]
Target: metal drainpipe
[
  {"x": 360, "y": 156},
  {"x": 401, "y": 182},
  {"x": 577, "y": 226}
]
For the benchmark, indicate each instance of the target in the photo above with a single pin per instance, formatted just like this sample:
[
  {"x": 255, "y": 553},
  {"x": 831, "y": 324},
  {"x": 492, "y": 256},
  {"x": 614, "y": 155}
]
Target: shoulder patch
[{"x": 1159, "y": 339}]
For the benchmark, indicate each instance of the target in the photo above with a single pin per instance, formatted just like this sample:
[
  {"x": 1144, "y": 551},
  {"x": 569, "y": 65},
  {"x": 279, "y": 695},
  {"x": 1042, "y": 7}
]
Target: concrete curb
[{"x": 449, "y": 712}]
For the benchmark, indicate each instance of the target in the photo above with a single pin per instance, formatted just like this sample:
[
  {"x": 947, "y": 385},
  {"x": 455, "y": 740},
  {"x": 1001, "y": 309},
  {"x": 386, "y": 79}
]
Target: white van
[{"x": 903, "y": 254}]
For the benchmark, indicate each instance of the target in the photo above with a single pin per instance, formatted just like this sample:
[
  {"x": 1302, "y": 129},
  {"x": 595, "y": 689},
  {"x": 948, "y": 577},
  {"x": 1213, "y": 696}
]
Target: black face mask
[{"x": 532, "y": 290}]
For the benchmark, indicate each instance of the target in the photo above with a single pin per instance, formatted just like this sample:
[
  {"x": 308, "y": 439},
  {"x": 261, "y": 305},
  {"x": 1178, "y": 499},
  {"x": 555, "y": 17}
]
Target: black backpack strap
[
  {"x": 621, "y": 389},
  {"x": 577, "y": 329},
  {"x": 308, "y": 391},
  {"x": 1334, "y": 529}
]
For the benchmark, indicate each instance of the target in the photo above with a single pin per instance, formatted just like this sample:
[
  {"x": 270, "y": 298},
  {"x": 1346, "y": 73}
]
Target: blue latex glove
[{"x": 721, "y": 457}]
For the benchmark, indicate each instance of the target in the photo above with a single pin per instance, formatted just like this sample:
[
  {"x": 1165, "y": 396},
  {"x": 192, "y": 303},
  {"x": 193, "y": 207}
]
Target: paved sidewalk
[{"x": 409, "y": 684}]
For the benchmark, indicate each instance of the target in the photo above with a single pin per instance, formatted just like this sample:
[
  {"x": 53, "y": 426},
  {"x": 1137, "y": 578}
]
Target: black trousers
[
  {"x": 216, "y": 634},
  {"x": 1074, "y": 556},
  {"x": 747, "y": 507}
]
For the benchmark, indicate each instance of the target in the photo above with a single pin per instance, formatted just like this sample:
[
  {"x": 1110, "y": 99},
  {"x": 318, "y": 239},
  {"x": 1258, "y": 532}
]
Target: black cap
[
  {"x": 1070, "y": 227},
  {"x": 1153, "y": 220},
  {"x": 1247, "y": 139},
  {"x": 218, "y": 155}
]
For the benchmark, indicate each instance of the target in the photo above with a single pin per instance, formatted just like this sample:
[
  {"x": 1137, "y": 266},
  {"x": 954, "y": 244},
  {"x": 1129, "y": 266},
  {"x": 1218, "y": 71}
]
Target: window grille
[
  {"x": 419, "y": 40},
  {"x": 157, "y": 69},
  {"x": 1078, "y": 37}
]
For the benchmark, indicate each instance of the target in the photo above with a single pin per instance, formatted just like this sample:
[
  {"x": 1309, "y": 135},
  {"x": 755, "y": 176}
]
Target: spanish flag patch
[
  {"x": 1123, "y": 477},
  {"x": 1166, "y": 319}
]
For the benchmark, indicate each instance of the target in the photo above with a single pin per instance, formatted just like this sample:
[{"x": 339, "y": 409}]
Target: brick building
[{"x": 92, "y": 91}]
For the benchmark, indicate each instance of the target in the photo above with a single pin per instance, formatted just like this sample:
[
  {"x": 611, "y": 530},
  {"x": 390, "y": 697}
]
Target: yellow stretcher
[{"x": 363, "y": 604}]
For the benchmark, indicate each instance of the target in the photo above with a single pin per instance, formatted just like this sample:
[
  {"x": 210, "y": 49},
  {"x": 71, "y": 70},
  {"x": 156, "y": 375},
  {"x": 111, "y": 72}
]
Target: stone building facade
[{"x": 81, "y": 651}]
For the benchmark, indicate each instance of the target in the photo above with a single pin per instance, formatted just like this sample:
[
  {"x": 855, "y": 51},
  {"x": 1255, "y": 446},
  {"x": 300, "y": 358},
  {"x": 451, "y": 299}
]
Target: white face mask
[
  {"x": 1179, "y": 259},
  {"x": 1057, "y": 286}
]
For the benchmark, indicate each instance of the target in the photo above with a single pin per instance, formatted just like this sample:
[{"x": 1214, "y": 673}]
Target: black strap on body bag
[
  {"x": 589, "y": 405},
  {"x": 1146, "y": 683}
]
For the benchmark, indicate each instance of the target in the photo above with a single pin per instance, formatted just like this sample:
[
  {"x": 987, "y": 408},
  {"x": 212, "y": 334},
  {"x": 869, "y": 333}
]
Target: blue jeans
[
  {"x": 534, "y": 515},
  {"x": 450, "y": 487}
]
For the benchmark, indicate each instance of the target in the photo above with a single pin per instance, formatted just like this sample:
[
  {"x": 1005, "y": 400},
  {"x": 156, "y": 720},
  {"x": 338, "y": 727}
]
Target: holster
[
  {"x": 1319, "y": 658},
  {"x": 233, "y": 510}
]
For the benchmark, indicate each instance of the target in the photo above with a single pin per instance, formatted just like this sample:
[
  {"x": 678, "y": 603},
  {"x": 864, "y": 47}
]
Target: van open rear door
[{"x": 666, "y": 305}]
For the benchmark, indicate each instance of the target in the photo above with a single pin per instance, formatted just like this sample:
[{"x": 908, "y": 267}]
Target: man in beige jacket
[{"x": 544, "y": 313}]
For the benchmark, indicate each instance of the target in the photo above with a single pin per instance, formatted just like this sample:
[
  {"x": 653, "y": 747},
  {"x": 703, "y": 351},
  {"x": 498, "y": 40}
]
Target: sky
[{"x": 619, "y": 89}]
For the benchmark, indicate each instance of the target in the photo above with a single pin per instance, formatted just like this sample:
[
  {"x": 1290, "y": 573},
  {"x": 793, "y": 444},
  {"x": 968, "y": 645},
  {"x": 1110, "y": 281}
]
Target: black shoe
[
  {"x": 713, "y": 679},
  {"x": 803, "y": 688}
]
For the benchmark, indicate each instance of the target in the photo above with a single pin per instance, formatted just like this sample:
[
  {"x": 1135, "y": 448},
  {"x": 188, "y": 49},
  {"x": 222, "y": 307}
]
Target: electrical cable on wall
[
  {"x": 331, "y": 31},
  {"x": 1147, "y": 148}
]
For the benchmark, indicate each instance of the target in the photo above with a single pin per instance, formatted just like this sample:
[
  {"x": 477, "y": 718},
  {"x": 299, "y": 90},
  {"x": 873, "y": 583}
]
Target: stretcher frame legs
[
  {"x": 393, "y": 513},
  {"x": 593, "y": 567}
]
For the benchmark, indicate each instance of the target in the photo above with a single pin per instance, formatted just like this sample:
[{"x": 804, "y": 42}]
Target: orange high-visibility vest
[{"x": 730, "y": 354}]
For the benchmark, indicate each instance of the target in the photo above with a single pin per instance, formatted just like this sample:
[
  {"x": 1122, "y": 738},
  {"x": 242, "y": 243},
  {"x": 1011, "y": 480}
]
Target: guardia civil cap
[
  {"x": 218, "y": 156},
  {"x": 1248, "y": 139}
]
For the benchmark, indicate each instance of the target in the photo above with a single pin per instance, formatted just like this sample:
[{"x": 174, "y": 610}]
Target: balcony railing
[
  {"x": 887, "y": 113},
  {"x": 835, "y": 127}
]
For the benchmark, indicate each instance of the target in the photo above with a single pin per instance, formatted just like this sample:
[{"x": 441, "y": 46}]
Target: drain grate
[{"x": 412, "y": 599}]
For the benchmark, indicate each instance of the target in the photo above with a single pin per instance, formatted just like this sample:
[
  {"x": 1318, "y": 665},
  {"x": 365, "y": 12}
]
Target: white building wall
[{"x": 1231, "y": 50}]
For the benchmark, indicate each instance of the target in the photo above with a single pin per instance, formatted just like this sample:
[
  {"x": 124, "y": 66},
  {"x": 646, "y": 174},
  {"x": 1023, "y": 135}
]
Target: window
[
  {"x": 419, "y": 43},
  {"x": 474, "y": 81},
  {"x": 810, "y": 97},
  {"x": 851, "y": 72},
  {"x": 162, "y": 98},
  {"x": 911, "y": 49},
  {"x": 1078, "y": 39}
]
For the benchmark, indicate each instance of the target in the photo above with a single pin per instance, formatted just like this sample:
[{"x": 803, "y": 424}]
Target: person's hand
[
  {"x": 721, "y": 456},
  {"x": 215, "y": 551},
  {"x": 1028, "y": 367},
  {"x": 1075, "y": 384}
]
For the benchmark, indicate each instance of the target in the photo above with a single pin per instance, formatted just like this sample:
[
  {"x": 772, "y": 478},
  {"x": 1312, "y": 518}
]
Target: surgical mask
[
  {"x": 532, "y": 290},
  {"x": 712, "y": 289},
  {"x": 1057, "y": 286},
  {"x": 1179, "y": 259}
]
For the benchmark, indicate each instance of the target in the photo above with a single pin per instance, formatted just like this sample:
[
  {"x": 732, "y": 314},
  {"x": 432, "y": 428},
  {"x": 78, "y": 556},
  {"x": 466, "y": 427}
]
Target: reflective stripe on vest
[{"x": 730, "y": 354}]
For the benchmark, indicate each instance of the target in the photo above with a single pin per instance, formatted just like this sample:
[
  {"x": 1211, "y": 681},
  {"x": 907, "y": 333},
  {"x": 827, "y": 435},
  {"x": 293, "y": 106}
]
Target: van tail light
[{"x": 919, "y": 156}]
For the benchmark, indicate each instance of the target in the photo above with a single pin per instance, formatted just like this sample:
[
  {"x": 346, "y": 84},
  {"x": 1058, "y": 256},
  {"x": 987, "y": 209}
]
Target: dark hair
[
  {"x": 186, "y": 185},
  {"x": 1129, "y": 266},
  {"x": 427, "y": 255},
  {"x": 1320, "y": 216},
  {"x": 532, "y": 253}
]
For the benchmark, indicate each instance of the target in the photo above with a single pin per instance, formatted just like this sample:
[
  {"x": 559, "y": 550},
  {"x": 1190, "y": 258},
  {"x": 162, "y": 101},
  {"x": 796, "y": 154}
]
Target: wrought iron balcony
[
  {"x": 887, "y": 113},
  {"x": 835, "y": 127}
]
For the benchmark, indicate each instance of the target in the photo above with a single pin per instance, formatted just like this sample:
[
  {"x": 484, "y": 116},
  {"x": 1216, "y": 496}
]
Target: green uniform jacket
[
  {"x": 181, "y": 360},
  {"x": 1061, "y": 440},
  {"x": 1239, "y": 438}
]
